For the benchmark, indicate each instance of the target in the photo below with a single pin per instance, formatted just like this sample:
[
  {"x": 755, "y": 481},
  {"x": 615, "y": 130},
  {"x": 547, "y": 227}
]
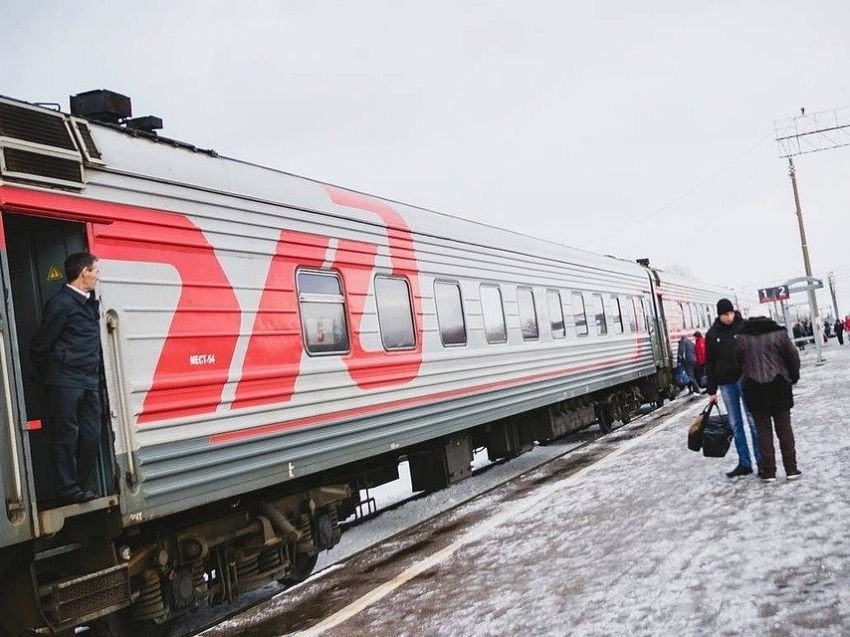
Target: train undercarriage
[{"x": 136, "y": 582}]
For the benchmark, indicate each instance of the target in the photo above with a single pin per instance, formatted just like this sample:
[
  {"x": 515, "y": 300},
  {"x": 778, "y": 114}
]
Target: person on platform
[
  {"x": 686, "y": 357},
  {"x": 770, "y": 365},
  {"x": 839, "y": 331},
  {"x": 699, "y": 368},
  {"x": 724, "y": 373}
]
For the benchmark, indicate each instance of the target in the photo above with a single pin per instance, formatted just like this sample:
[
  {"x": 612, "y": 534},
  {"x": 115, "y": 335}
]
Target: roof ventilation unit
[
  {"x": 101, "y": 105},
  {"x": 110, "y": 107},
  {"x": 37, "y": 145}
]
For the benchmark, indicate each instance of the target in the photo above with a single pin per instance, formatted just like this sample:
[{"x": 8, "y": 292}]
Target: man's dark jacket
[
  {"x": 765, "y": 352},
  {"x": 721, "y": 364},
  {"x": 770, "y": 364},
  {"x": 687, "y": 352},
  {"x": 66, "y": 348}
]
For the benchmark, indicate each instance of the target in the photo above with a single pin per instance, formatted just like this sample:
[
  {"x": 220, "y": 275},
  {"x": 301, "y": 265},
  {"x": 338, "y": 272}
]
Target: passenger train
[{"x": 273, "y": 345}]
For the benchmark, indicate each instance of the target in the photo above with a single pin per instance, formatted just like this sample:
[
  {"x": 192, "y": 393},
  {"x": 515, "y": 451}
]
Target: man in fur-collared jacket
[{"x": 770, "y": 364}]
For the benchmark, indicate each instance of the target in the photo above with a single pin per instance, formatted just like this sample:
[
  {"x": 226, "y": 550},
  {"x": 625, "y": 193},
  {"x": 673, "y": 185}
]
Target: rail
[{"x": 112, "y": 329}]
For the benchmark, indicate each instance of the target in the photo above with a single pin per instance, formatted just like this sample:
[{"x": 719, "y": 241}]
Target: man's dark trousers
[{"x": 74, "y": 417}]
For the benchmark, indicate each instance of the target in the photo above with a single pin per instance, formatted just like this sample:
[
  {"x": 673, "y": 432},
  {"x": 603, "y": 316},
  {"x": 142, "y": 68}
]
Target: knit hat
[{"x": 723, "y": 306}]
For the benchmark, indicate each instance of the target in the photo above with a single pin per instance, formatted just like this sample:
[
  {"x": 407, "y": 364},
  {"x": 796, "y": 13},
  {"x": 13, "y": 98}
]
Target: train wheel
[
  {"x": 304, "y": 565},
  {"x": 604, "y": 418}
]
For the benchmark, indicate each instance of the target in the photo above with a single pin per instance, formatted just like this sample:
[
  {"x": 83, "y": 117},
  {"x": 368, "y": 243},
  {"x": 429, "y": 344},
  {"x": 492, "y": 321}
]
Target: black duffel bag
[{"x": 716, "y": 435}]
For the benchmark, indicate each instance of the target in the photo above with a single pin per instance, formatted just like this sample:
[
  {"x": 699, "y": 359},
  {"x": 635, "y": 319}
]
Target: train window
[
  {"x": 579, "y": 314},
  {"x": 527, "y": 314},
  {"x": 695, "y": 314},
  {"x": 633, "y": 322},
  {"x": 617, "y": 314},
  {"x": 599, "y": 315},
  {"x": 646, "y": 317},
  {"x": 684, "y": 323},
  {"x": 450, "y": 313},
  {"x": 708, "y": 320},
  {"x": 556, "y": 313},
  {"x": 395, "y": 316},
  {"x": 494, "y": 314},
  {"x": 322, "y": 305}
]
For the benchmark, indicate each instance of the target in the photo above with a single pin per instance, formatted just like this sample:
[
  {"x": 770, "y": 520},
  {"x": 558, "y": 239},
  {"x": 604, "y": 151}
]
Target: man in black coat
[
  {"x": 724, "y": 373},
  {"x": 66, "y": 351}
]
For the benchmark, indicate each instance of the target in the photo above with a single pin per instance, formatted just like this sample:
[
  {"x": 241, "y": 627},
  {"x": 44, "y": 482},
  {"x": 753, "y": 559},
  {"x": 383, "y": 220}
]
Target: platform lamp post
[{"x": 807, "y": 134}]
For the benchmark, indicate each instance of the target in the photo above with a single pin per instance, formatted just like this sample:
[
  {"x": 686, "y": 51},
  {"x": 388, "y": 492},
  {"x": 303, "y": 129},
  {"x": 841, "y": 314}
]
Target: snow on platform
[{"x": 654, "y": 540}]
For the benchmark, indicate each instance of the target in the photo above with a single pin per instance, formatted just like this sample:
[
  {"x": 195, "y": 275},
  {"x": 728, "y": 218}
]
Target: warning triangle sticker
[{"x": 54, "y": 273}]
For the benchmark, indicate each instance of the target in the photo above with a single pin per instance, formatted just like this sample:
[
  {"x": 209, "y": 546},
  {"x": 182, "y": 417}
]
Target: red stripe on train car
[
  {"x": 273, "y": 357},
  {"x": 438, "y": 397},
  {"x": 207, "y": 311},
  {"x": 368, "y": 368}
]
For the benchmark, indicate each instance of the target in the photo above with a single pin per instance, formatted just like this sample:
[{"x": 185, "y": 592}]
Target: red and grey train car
[{"x": 271, "y": 346}]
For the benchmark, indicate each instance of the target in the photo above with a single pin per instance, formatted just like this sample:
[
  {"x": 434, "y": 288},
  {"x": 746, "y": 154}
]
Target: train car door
[
  {"x": 15, "y": 521},
  {"x": 37, "y": 248}
]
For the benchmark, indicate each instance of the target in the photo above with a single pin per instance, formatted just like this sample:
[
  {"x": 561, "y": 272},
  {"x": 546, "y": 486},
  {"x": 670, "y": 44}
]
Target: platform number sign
[{"x": 778, "y": 293}]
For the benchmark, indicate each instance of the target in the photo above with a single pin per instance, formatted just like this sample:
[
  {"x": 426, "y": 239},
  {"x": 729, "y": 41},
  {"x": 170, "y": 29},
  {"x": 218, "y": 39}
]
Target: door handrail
[
  {"x": 10, "y": 421},
  {"x": 112, "y": 330}
]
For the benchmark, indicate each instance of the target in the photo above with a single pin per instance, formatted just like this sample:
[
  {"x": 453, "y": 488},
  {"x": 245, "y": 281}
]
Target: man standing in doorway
[
  {"x": 66, "y": 351},
  {"x": 724, "y": 373}
]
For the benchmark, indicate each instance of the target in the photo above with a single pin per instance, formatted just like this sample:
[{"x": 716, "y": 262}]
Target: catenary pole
[
  {"x": 807, "y": 134},
  {"x": 831, "y": 280},
  {"x": 813, "y": 304}
]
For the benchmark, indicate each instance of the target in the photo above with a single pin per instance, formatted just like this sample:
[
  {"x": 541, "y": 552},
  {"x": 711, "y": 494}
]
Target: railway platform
[{"x": 648, "y": 539}]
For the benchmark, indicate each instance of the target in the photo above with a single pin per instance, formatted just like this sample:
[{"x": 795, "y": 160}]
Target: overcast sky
[{"x": 630, "y": 129}]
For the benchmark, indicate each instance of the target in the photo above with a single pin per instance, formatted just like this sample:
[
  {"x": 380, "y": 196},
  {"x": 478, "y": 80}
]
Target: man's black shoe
[
  {"x": 78, "y": 497},
  {"x": 740, "y": 470}
]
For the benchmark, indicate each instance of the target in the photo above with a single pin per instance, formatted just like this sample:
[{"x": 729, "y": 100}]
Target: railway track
[{"x": 570, "y": 449}]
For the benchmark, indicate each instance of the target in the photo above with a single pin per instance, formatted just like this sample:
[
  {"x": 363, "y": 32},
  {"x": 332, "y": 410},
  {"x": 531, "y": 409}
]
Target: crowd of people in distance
[{"x": 804, "y": 332}]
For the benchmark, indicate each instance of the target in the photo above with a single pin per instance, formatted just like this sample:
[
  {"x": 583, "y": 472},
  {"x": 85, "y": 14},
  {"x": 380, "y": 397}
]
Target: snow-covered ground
[
  {"x": 392, "y": 521},
  {"x": 653, "y": 540}
]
